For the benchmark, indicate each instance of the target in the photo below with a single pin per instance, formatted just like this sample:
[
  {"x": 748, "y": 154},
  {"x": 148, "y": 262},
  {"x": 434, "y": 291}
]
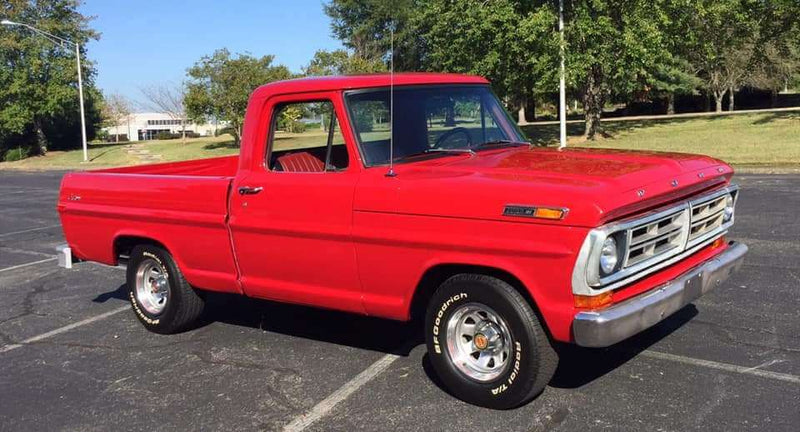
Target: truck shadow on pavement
[
  {"x": 577, "y": 366},
  {"x": 342, "y": 328}
]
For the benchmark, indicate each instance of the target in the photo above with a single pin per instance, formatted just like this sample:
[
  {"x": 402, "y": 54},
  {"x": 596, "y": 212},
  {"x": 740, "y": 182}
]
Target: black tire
[
  {"x": 533, "y": 359},
  {"x": 182, "y": 307}
]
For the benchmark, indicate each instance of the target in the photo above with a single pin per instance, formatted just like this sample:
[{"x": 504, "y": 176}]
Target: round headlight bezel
[
  {"x": 730, "y": 208},
  {"x": 609, "y": 256}
]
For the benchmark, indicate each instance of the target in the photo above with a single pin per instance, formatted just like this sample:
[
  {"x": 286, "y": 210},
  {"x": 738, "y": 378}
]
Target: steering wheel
[{"x": 457, "y": 130}]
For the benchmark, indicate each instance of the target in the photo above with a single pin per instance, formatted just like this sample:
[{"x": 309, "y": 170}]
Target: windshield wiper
[
  {"x": 437, "y": 150},
  {"x": 501, "y": 143},
  {"x": 446, "y": 150}
]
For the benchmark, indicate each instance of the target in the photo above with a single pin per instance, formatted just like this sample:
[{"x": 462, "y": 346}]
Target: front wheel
[
  {"x": 486, "y": 344},
  {"x": 163, "y": 300}
]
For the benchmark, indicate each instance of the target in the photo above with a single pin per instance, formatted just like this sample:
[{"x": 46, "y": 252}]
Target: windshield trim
[{"x": 351, "y": 117}]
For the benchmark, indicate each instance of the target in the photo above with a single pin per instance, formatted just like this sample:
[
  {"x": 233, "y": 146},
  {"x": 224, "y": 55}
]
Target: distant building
[{"x": 145, "y": 126}]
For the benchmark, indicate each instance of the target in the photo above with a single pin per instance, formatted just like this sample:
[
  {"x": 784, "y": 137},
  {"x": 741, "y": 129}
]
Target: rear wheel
[
  {"x": 163, "y": 300},
  {"x": 486, "y": 344}
]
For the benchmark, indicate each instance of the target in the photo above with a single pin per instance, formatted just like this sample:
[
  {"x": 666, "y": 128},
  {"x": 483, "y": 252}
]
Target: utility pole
[{"x": 562, "y": 91}]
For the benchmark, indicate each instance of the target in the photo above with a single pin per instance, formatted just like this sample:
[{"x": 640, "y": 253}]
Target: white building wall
[{"x": 143, "y": 125}]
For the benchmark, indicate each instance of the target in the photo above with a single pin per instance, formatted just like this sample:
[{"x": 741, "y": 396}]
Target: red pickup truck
[{"x": 416, "y": 196}]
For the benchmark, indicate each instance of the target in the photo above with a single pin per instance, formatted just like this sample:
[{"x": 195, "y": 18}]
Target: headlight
[
  {"x": 608, "y": 256},
  {"x": 728, "y": 212}
]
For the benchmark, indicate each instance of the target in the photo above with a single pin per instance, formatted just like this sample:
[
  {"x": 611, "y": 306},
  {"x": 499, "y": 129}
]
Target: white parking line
[
  {"x": 66, "y": 328},
  {"x": 723, "y": 366},
  {"x": 29, "y": 230},
  {"x": 321, "y": 409},
  {"x": 27, "y": 265}
]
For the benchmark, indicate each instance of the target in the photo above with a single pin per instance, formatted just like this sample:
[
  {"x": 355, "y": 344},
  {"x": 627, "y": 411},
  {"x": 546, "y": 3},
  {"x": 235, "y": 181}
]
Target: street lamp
[{"x": 61, "y": 41}]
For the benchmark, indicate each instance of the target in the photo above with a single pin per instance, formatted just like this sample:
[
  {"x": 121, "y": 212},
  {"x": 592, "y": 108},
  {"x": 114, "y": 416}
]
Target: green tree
[
  {"x": 723, "y": 37},
  {"x": 39, "y": 96},
  {"x": 614, "y": 49},
  {"x": 220, "y": 84},
  {"x": 365, "y": 27},
  {"x": 509, "y": 42},
  {"x": 342, "y": 62}
]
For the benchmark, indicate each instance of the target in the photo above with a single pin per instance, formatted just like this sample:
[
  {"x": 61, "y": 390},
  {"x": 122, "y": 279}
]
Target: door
[{"x": 291, "y": 216}]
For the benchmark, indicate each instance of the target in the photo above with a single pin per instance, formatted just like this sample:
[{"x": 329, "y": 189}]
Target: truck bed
[
  {"x": 183, "y": 204},
  {"x": 214, "y": 167}
]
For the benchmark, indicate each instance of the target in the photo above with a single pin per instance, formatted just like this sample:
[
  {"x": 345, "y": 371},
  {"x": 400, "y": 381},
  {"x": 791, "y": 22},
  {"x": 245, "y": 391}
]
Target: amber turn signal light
[
  {"x": 718, "y": 242},
  {"x": 549, "y": 213},
  {"x": 593, "y": 302}
]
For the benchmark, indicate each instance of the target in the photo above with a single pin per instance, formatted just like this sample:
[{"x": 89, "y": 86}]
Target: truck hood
[{"x": 596, "y": 185}]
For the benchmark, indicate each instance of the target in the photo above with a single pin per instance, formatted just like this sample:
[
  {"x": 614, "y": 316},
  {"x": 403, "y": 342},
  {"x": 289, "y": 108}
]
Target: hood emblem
[
  {"x": 640, "y": 193},
  {"x": 674, "y": 183},
  {"x": 701, "y": 175}
]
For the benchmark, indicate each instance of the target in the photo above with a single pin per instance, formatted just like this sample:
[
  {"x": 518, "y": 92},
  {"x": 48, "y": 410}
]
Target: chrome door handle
[{"x": 246, "y": 190}]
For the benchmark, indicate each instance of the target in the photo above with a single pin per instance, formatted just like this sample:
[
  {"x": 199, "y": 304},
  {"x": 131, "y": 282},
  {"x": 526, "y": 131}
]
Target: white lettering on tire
[
  {"x": 438, "y": 320},
  {"x": 514, "y": 371}
]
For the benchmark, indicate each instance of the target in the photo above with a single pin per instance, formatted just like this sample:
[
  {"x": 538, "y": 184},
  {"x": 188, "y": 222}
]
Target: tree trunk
[
  {"x": 707, "y": 107},
  {"x": 718, "y": 99},
  {"x": 450, "y": 116},
  {"x": 237, "y": 134},
  {"x": 530, "y": 109},
  {"x": 116, "y": 133},
  {"x": 670, "y": 103},
  {"x": 41, "y": 139},
  {"x": 592, "y": 104},
  {"x": 521, "y": 120},
  {"x": 731, "y": 105},
  {"x": 773, "y": 98},
  {"x": 183, "y": 131}
]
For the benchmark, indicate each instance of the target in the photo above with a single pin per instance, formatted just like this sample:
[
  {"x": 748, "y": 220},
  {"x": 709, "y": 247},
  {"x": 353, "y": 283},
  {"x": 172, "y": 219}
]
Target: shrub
[
  {"x": 296, "y": 127},
  {"x": 226, "y": 130},
  {"x": 167, "y": 136},
  {"x": 15, "y": 154}
]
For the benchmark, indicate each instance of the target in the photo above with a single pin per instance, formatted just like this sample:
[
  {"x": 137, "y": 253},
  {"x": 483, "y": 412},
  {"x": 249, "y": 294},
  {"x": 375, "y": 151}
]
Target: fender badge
[
  {"x": 521, "y": 210},
  {"x": 674, "y": 183},
  {"x": 701, "y": 175}
]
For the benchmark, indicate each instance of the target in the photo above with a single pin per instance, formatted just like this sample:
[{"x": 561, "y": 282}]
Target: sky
[{"x": 146, "y": 42}]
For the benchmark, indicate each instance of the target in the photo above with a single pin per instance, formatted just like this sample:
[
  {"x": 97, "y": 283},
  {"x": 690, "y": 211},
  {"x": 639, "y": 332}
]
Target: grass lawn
[
  {"x": 104, "y": 155},
  {"x": 746, "y": 140}
]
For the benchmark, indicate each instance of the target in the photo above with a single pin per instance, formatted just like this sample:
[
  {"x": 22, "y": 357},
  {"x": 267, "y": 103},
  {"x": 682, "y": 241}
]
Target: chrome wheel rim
[
  {"x": 152, "y": 286},
  {"x": 478, "y": 342}
]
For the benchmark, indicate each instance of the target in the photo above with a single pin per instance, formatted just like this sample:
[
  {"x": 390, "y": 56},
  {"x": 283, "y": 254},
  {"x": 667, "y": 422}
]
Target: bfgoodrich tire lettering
[
  {"x": 528, "y": 360},
  {"x": 176, "y": 307}
]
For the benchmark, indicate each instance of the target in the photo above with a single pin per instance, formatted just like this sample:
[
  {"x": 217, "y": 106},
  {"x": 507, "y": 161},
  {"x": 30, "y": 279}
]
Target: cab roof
[{"x": 349, "y": 82}]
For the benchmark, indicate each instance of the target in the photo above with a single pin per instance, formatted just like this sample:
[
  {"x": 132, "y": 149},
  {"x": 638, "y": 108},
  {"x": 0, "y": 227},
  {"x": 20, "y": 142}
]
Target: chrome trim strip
[
  {"x": 618, "y": 322},
  {"x": 583, "y": 273}
]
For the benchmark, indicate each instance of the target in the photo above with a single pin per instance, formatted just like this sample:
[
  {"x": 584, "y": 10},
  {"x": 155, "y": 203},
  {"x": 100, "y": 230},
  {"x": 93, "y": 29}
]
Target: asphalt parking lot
[{"x": 74, "y": 357}]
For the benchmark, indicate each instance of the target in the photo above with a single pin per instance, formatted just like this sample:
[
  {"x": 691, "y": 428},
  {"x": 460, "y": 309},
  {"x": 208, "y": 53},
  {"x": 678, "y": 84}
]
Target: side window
[{"x": 306, "y": 138}]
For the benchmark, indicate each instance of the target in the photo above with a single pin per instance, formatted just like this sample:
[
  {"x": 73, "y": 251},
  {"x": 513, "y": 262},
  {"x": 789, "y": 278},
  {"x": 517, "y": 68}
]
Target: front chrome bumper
[{"x": 623, "y": 320}]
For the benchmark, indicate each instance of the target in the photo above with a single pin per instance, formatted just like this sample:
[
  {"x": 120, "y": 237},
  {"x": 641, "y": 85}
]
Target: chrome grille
[
  {"x": 654, "y": 238},
  {"x": 707, "y": 216},
  {"x": 650, "y": 241}
]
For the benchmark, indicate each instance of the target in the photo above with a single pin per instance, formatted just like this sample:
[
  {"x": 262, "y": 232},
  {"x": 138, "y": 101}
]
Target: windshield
[{"x": 428, "y": 120}]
